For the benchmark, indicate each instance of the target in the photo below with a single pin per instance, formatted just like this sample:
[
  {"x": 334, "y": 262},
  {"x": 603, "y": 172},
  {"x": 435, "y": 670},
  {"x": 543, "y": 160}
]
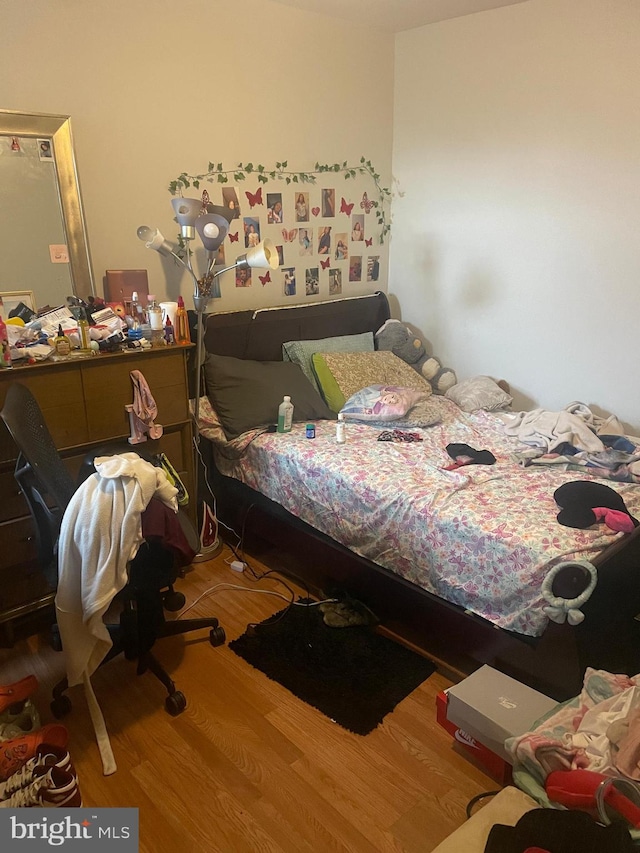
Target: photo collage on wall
[{"x": 324, "y": 242}]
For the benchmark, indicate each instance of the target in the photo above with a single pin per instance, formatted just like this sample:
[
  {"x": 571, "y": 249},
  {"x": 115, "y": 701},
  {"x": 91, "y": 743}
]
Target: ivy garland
[{"x": 218, "y": 174}]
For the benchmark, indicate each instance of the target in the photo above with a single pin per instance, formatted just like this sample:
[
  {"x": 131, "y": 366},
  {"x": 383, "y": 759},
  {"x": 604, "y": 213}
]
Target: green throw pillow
[{"x": 301, "y": 352}]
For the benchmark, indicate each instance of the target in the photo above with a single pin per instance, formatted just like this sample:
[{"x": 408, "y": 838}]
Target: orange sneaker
[
  {"x": 13, "y": 695},
  {"x": 17, "y": 751}
]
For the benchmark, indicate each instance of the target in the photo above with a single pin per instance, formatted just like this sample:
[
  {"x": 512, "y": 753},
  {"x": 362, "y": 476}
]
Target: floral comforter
[{"x": 480, "y": 536}]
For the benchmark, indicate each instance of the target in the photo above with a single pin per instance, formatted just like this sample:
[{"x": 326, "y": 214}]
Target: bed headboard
[{"x": 259, "y": 334}]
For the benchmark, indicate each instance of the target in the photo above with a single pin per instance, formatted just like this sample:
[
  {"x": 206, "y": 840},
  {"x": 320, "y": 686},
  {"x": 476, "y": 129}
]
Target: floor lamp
[{"x": 211, "y": 222}]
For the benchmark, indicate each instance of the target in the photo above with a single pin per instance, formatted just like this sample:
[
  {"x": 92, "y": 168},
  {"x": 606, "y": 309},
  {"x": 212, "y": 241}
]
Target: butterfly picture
[
  {"x": 369, "y": 241},
  {"x": 265, "y": 278},
  {"x": 365, "y": 204},
  {"x": 254, "y": 198},
  {"x": 324, "y": 264},
  {"x": 346, "y": 208},
  {"x": 289, "y": 236},
  {"x": 233, "y": 238}
]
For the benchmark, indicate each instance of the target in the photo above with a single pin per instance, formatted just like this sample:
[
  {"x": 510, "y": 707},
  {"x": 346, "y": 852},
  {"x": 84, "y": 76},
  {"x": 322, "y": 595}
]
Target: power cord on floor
[
  {"x": 196, "y": 444},
  {"x": 477, "y": 799},
  {"x": 220, "y": 586}
]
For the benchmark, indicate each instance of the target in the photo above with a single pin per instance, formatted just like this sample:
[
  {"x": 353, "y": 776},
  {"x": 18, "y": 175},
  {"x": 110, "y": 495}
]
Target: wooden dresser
[{"x": 83, "y": 401}]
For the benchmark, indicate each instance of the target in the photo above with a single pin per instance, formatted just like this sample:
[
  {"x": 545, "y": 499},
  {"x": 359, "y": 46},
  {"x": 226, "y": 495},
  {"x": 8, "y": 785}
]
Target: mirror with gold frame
[{"x": 43, "y": 240}]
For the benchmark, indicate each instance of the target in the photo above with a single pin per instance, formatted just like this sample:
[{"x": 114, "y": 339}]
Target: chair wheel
[
  {"x": 60, "y": 707},
  {"x": 175, "y": 703},
  {"x": 217, "y": 636},
  {"x": 173, "y": 601}
]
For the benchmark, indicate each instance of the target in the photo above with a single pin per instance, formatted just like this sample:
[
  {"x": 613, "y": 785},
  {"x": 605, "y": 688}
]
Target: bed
[{"x": 451, "y": 561}]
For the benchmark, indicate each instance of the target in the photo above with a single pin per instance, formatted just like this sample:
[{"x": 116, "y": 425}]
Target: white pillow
[{"x": 480, "y": 392}]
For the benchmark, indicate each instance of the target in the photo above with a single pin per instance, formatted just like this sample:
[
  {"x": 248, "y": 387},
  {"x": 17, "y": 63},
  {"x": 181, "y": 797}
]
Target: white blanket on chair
[{"x": 101, "y": 532}]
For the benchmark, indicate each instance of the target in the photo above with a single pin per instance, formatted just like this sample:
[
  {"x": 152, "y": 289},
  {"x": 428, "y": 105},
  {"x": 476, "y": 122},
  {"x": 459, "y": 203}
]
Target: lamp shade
[
  {"x": 221, "y": 211},
  {"x": 212, "y": 229},
  {"x": 262, "y": 256},
  {"x": 187, "y": 211}
]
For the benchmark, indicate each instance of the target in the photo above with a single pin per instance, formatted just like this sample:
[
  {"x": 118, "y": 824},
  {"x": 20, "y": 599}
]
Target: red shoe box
[{"x": 495, "y": 765}]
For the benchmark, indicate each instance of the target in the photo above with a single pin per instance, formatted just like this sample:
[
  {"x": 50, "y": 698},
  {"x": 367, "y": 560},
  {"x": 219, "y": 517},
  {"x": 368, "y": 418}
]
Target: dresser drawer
[
  {"x": 108, "y": 390},
  {"x": 59, "y": 396},
  {"x": 21, "y": 586},
  {"x": 12, "y": 505},
  {"x": 18, "y": 542}
]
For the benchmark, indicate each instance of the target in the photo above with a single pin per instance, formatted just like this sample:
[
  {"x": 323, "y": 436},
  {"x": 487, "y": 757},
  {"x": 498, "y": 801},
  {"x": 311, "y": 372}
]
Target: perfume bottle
[{"x": 183, "y": 335}]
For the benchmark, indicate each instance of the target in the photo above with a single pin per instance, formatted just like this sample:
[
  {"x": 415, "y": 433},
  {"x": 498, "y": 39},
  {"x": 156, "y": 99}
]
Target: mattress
[{"x": 482, "y": 537}]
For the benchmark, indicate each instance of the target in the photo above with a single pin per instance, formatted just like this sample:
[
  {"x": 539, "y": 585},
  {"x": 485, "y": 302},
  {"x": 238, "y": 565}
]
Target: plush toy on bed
[{"x": 398, "y": 338}]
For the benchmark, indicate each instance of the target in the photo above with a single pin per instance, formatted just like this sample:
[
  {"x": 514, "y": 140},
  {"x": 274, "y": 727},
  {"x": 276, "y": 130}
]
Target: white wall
[
  {"x": 515, "y": 247},
  {"x": 155, "y": 89}
]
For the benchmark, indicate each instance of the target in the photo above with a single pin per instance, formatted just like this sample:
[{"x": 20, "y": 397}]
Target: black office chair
[{"x": 48, "y": 487}]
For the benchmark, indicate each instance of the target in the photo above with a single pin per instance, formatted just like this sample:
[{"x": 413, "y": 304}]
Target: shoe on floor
[
  {"x": 13, "y": 695},
  {"x": 17, "y": 751},
  {"x": 28, "y": 720},
  {"x": 46, "y": 756},
  {"x": 52, "y": 787}
]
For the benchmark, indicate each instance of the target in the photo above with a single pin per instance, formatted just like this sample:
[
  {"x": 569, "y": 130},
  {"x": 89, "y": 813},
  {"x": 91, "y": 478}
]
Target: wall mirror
[{"x": 43, "y": 238}]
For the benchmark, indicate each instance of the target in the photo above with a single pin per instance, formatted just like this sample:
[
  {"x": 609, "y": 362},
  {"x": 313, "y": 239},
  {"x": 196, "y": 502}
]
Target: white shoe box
[{"x": 492, "y": 707}]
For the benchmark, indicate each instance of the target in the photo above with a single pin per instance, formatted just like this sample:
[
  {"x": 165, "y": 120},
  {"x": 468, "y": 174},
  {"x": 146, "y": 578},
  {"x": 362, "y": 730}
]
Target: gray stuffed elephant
[{"x": 399, "y": 339}]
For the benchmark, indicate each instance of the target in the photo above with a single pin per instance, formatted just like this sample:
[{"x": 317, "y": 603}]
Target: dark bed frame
[{"x": 609, "y": 637}]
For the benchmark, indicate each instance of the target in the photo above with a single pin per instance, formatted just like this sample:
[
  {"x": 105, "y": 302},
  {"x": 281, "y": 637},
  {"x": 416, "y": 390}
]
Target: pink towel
[{"x": 144, "y": 406}]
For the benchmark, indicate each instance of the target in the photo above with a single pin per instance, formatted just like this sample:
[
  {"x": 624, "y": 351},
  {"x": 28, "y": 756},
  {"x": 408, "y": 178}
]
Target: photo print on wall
[
  {"x": 335, "y": 282},
  {"x": 324, "y": 240},
  {"x": 305, "y": 238},
  {"x": 243, "y": 277},
  {"x": 289, "y": 274},
  {"x": 251, "y": 232},
  {"x": 342, "y": 250},
  {"x": 311, "y": 282},
  {"x": 302, "y": 207},
  {"x": 230, "y": 200},
  {"x": 328, "y": 203},
  {"x": 357, "y": 227},
  {"x": 275, "y": 213}
]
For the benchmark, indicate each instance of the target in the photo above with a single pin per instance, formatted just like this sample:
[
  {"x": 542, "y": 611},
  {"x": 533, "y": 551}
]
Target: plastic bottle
[
  {"x": 5, "y": 350},
  {"x": 285, "y": 415},
  {"x": 183, "y": 335},
  {"x": 83, "y": 331},
  {"x": 341, "y": 435},
  {"x": 154, "y": 313},
  {"x": 137, "y": 314},
  {"x": 61, "y": 343},
  {"x": 169, "y": 334}
]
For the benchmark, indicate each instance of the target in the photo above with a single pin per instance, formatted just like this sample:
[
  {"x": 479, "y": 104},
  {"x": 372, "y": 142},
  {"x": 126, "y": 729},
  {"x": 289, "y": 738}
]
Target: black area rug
[{"x": 352, "y": 675}]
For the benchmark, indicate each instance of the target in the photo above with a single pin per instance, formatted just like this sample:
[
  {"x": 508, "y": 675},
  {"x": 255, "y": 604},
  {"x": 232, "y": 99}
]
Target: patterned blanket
[{"x": 480, "y": 536}]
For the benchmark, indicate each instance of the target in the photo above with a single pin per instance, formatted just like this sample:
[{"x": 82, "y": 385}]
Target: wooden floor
[{"x": 247, "y": 766}]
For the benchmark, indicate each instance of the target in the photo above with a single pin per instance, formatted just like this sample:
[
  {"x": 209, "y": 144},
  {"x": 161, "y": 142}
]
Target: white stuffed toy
[{"x": 399, "y": 339}]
